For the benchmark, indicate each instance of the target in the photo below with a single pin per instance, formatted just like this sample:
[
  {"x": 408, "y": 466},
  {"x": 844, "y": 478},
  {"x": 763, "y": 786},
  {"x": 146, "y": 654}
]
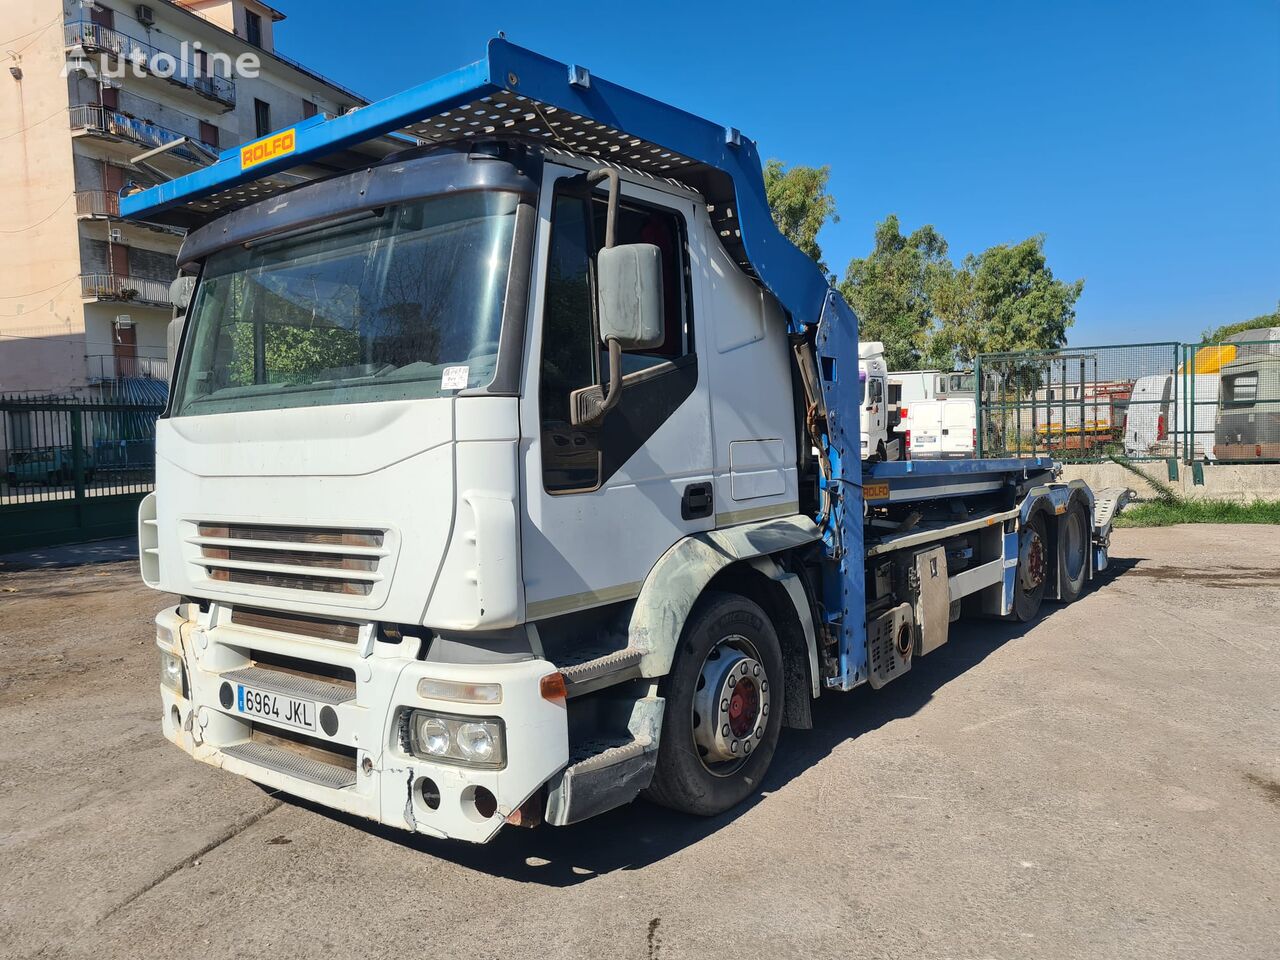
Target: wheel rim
[
  {"x": 1074, "y": 545},
  {"x": 730, "y": 705},
  {"x": 1031, "y": 561}
]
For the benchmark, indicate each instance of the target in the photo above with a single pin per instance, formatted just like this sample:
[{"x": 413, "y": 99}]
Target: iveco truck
[{"x": 511, "y": 468}]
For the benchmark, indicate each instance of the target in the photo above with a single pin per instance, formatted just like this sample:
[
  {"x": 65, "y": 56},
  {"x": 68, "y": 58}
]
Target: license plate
[{"x": 272, "y": 706}]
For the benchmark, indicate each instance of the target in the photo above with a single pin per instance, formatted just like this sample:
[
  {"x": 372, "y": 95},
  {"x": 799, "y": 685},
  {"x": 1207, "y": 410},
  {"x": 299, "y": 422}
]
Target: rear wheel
[
  {"x": 724, "y": 704},
  {"x": 1033, "y": 565},
  {"x": 1073, "y": 552}
]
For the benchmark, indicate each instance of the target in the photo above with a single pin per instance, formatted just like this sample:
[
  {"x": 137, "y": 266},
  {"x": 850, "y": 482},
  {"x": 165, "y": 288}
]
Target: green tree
[
  {"x": 1005, "y": 298},
  {"x": 800, "y": 204},
  {"x": 1259, "y": 322},
  {"x": 893, "y": 288}
]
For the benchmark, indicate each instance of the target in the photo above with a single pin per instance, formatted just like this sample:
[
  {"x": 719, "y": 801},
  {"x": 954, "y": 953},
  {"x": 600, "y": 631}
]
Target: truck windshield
[{"x": 374, "y": 307}]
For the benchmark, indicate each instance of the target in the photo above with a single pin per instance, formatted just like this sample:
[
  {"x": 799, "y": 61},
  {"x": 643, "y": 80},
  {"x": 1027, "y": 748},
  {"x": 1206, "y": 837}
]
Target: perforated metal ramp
[
  {"x": 1107, "y": 503},
  {"x": 284, "y": 761},
  {"x": 291, "y": 685}
]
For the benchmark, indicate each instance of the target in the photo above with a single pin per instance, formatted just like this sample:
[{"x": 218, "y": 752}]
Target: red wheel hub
[
  {"x": 744, "y": 707},
  {"x": 1037, "y": 560}
]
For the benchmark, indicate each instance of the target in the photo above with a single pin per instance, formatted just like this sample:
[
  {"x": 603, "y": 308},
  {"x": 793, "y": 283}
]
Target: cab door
[{"x": 604, "y": 501}]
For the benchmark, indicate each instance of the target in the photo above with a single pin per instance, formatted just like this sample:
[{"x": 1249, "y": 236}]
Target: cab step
[
  {"x": 289, "y": 763},
  {"x": 602, "y": 775},
  {"x": 602, "y": 671},
  {"x": 292, "y": 685}
]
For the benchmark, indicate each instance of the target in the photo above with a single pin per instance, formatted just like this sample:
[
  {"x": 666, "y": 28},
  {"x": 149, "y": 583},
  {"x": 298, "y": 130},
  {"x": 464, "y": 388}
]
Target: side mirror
[
  {"x": 630, "y": 282},
  {"x": 180, "y": 296},
  {"x": 180, "y": 293}
]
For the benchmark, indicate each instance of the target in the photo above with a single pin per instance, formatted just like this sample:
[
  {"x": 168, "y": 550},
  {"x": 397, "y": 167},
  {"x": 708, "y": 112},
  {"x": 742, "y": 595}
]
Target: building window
[
  {"x": 209, "y": 133},
  {"x": 308, "y": 109},
  {"x": 110, "y": 98},
  {"x": 103, "y": 17},
  {"x": 253, "y": 28},
  {"x": 262, "y": 117}
]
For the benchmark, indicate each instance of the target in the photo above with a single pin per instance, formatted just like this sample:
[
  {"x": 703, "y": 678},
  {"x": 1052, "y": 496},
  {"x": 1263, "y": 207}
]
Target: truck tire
[
  {"x": 1033, "y": 566},
  {"x": 1073, "y": 552},
  {"x": 724, "y": 707}
]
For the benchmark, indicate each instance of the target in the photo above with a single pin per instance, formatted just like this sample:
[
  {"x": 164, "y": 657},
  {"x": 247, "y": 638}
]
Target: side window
[
  {"x": 572, "y": 355},
  {"x": 662, "y": 229},
  {"x": 877, "y": 390},
  {"x": 570, "y": 456}
]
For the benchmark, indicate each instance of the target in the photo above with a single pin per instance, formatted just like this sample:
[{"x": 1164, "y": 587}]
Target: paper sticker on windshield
[
  {"x": 268, "y": 148},
  {"x": 454, "y": 378}
]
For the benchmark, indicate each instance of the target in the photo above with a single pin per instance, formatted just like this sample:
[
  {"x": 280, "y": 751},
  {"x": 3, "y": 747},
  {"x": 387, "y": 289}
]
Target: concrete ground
[{"x": 1103, "y": 784}]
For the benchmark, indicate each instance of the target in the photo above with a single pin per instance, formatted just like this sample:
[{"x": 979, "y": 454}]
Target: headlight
[
  {"x": 474, "y": 741},
  {"x": 171, "y": 671}
]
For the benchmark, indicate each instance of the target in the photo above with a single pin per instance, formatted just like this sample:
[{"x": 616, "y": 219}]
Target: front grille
[{"x": 335, "y": 560}]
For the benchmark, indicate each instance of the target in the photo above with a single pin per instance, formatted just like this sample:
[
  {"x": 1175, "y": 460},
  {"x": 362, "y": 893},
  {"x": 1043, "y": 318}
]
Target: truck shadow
[{"x": 641, "y": 833}]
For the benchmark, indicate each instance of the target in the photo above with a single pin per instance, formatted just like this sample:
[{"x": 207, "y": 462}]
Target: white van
[
  {"x": 1203, "y": 422},
  {"x": 875, "y": 412},
  {"x": 941, "y": 429},
  {"x": 1147, "y": 419}
]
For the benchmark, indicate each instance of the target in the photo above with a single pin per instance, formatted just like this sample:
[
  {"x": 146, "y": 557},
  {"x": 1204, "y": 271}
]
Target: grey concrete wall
[{"x": 1242, "y": 482}]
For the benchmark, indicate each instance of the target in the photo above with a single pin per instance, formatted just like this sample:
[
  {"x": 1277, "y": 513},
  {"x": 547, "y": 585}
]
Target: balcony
[
  {"x": 97, "y": 203},
  {"x": 87, "y": 37},
  {"x": 98, "y": 121},
  {"x": 107, "y": 286},
  {"x": 105, "y": 205},
  {"x": 110, "y": 367}
]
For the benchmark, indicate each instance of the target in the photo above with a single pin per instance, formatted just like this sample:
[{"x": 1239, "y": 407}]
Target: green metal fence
[
  {"x": 1193, "y": 403},
  {"x": 73, "y": 469}
]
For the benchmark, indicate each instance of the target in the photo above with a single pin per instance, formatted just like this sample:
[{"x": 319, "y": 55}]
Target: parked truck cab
[{"x": 516, "y": 471}]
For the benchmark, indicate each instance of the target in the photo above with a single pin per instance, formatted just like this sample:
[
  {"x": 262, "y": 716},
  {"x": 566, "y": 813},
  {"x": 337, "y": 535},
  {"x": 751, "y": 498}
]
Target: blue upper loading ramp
[{"x": 516, "y": 93}]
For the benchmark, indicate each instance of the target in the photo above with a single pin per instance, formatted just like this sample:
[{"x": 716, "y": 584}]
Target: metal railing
[
  {"x": 74, "y": 468},
  {"x": 96, "y": 119},
  {"x": 109, "y": 286},
  {"x": 1149, "y": 401},
  {"x": 146, "y": 57},
  {"x": 97, "y": 203},
  {"x": 107, "y": 366}
]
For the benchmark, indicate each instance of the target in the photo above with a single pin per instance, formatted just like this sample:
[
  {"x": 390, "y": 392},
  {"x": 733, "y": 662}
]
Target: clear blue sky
[{"x": 1143, "y": 138}]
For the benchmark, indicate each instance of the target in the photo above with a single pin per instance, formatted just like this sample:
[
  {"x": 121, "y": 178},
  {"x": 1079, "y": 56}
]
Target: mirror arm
[
  {"x": 592, "y": 406},
  {"x": 615, "y": 187},
  {"x": 610, "y": 399}
]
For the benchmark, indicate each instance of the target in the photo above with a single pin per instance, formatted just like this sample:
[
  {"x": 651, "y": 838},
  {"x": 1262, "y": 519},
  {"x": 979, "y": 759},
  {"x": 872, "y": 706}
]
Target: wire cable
[
  {"x": 32, "y": 126},
  {"x": 40, "y": 222}
]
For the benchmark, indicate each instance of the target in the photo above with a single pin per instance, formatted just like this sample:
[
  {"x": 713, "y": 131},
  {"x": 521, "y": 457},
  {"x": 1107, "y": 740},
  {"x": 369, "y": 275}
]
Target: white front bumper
[{"x": 387, "y": 779}]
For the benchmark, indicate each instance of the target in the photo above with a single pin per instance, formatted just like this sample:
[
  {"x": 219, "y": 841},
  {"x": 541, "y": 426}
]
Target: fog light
[
  {"x": 472, "y": 741},
  {"x": 171, "y": 671}
]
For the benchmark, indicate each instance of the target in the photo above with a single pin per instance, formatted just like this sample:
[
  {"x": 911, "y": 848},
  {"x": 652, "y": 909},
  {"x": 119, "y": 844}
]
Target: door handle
[{"x": 696, "y": 502}]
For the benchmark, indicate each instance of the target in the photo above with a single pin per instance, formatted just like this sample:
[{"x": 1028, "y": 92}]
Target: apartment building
[{"x": 90, "y": 87}]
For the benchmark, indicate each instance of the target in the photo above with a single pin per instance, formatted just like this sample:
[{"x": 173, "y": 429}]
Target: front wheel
[{"x": 724, "y": 703}]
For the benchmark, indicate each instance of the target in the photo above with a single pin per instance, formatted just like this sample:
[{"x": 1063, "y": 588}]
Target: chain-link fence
[{"x": 1149, "y": 401}]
